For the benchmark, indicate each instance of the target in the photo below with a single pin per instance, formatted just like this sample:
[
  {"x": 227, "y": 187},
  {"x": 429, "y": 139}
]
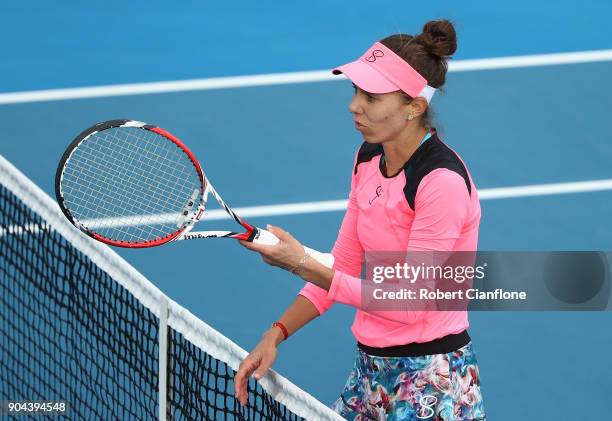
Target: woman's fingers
[
  {"x": 266, "y": 362},
  {"x": 241, "y": 379},
  {"x": 254, "y": 246},
  {"x": 285, "y": 254},
  {"x": 278, "y": 231},
  {"x": 257, "y": 363},
  {"x": 281, "y": 233}
]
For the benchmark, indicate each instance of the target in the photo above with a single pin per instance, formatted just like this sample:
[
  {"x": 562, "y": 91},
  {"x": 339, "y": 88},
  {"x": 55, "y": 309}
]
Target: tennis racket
[{"x": 130, "y": 184}]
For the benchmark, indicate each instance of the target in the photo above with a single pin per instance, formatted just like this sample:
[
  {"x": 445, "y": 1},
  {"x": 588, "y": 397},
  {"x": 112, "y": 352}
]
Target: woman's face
[{"x": 379, "y": 117}]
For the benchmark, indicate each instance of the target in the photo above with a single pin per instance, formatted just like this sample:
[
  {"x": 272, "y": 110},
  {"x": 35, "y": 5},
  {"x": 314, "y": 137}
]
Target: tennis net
[{"x": 81, "y": 326}]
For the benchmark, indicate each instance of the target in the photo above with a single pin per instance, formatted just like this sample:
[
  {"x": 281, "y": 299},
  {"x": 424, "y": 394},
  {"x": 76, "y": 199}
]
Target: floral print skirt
[{"x": 440, "y": 387}]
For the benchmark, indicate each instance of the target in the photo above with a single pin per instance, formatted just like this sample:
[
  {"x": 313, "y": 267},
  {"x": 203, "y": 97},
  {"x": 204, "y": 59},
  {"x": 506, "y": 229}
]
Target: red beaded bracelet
[{"x": 283, "y": 328}]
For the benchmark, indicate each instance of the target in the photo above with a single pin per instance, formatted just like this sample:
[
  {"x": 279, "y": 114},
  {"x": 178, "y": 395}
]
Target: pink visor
[{"x": 380, "y": 71}]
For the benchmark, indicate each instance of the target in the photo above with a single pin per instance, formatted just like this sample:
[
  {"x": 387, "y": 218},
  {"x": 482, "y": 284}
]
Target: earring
[{"x": 410, "y": 117}]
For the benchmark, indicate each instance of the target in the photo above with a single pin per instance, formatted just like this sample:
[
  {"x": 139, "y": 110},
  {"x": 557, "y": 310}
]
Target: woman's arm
[
  {"x": 441, "y": 208},
  {"x": 297, "y": 315}
]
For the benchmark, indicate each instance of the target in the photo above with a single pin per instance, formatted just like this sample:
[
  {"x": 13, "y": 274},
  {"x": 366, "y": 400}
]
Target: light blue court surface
[{"x": 295, "y": 143}]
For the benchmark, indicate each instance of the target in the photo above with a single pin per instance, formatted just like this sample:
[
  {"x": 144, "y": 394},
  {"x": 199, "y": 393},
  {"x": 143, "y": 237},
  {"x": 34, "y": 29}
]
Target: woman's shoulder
[
  {"x": 367, "y": 151},
  {"x": 434, "y": 160}
]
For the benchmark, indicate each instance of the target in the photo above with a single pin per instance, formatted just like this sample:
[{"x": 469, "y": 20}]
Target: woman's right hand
[{"x": 257, "y": 363}]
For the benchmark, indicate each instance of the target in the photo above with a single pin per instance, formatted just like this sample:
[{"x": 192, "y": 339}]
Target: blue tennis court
[{"x": 515, "y": 126}]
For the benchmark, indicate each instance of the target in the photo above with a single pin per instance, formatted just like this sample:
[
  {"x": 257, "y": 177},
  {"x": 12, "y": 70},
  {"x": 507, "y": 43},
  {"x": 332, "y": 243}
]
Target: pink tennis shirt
[{"x": 430, "y": 205}]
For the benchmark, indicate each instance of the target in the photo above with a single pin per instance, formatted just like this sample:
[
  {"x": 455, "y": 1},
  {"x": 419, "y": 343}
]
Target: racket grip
[{"x": 266, "y": 237}]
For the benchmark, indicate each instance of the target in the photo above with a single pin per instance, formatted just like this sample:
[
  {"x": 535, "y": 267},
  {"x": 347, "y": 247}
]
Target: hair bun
[{"x": 439, "y": 38}]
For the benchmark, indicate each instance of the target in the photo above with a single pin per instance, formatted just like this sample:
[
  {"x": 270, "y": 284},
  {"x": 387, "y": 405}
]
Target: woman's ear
[{"x": 417, "y": 107}]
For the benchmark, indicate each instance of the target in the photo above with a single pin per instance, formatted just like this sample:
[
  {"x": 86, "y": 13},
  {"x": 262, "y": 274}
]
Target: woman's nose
[{"x": 354, "y": 106}]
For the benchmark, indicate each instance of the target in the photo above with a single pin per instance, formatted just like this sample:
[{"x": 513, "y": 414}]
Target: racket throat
[
  {"x": 188, "y": 210},
  {"x": 253, "y": 235}
]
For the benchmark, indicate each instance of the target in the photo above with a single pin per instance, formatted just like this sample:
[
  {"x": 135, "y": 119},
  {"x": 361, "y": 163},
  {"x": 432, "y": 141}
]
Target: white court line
[
  {"x": 545, "y": 189},
  {"x": 340, "y": 205},
  {"x": 484, "y": 194},
  {"x": 286, "y": 78}
]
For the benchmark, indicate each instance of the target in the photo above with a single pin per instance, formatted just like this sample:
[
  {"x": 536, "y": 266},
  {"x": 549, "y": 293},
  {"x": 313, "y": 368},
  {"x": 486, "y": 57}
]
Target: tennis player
[{"x": 410, "y": 192}]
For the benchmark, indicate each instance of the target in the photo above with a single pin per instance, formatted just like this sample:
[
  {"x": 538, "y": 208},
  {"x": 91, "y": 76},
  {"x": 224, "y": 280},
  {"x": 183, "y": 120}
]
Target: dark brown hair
[{"x": 427, "y": 53}]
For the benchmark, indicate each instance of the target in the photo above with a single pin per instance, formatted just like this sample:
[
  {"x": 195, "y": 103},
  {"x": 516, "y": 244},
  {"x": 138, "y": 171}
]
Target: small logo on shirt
[{"x": 378, "y": 193}]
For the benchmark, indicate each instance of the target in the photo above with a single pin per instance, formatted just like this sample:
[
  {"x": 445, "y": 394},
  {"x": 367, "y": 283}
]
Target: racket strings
[
  {"x": 135, "y": 219},
  {"x": 97, "y": 206},
  {"x": 124, "y": 184},
  {"x": 154, "y": 164},
  {"x": 148, "y": 138},
  {"x": 163, "y": 167},
  {"x": 130, "y": 184},
  {"x": 145, "y": 174}
]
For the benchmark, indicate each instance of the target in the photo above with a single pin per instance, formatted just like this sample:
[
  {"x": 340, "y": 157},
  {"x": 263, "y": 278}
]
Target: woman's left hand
[{"x": 286, "y": 254}]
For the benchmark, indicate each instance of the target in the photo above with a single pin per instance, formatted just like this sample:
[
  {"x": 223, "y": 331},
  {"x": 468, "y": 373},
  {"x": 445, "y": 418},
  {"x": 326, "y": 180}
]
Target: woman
[{"x": 409, "y": 191}]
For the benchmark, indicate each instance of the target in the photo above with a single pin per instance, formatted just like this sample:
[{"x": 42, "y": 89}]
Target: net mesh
[
  {"x": 84, "y": 328},
  {"x": 203, "y": 388},
  {"x": 69, "y": 332}
]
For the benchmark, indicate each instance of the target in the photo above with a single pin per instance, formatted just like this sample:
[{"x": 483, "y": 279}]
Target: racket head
[{"x": 130, "y": 184}]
